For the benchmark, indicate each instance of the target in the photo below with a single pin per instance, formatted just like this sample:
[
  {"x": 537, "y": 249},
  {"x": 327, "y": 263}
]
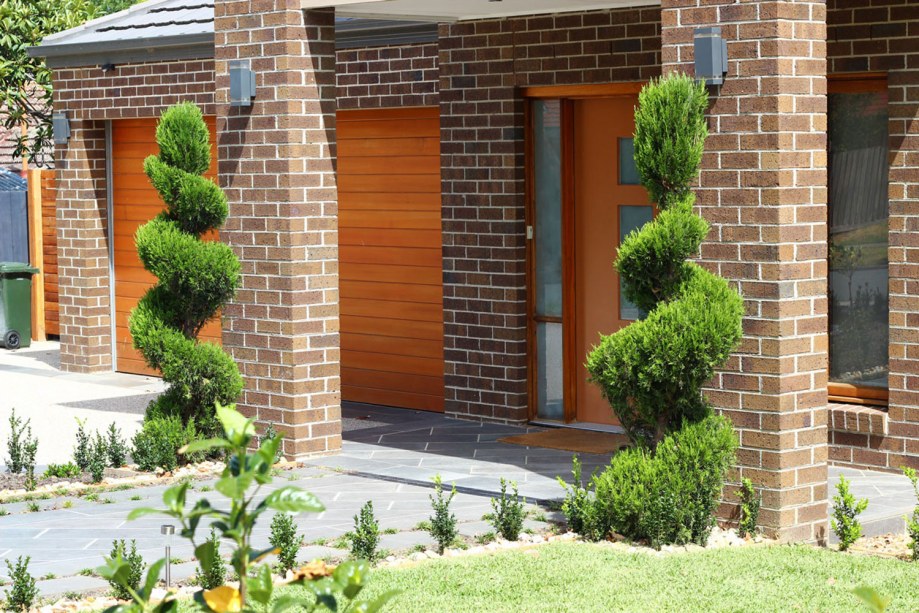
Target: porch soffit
[{"x": 464, "y": 10}]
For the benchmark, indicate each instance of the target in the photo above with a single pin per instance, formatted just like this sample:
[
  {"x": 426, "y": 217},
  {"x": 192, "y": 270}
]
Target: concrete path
[{"x": 32, "y": 383}]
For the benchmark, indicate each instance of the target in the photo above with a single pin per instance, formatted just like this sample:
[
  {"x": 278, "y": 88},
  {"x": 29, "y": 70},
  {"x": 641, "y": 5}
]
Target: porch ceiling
[{"x": 460, "y": 10}]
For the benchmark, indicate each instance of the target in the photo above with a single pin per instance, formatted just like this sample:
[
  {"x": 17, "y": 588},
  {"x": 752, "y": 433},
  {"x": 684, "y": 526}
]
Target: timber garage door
[
  {"x": 390, "y": 251},
  {"x": 134, "y": 203},
  {"x": 392, "y": 327}
]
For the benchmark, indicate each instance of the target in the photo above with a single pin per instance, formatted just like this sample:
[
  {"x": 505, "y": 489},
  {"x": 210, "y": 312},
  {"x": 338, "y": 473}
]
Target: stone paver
[{"x": 389, "y": 456}]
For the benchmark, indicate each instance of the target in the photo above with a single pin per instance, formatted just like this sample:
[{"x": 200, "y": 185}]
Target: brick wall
[
  {"x": 763, "y": 188},
  {"x": 388, "y": 77},
  {"x": 880, "y": 35},
  {"x": 89, "y": 97},
  {"x": 482, "y": 64}
]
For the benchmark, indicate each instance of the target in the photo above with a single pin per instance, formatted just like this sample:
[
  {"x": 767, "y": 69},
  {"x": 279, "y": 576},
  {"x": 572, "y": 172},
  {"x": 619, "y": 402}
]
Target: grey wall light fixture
[
  {"x": 711, "y": 53},
  {"x": 242, "y": 83},
  {"x": 60, "y": 126}
]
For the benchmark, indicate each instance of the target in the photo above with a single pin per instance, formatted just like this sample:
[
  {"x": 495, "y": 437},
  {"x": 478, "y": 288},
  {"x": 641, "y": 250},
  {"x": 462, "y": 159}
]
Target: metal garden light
[{"x": 168, "y": 530}]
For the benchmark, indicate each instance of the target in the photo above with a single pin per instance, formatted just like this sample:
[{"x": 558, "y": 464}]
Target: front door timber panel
[
  {"x": 390, "y": 259},
  {"x": 584, "y": 198},
  {"x": 602, "y": 200},
  {"x": 134, "y": 203}
]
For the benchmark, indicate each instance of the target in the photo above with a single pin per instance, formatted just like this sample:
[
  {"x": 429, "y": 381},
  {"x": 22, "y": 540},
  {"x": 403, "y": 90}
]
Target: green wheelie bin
[{"x": 16, "y": 304}]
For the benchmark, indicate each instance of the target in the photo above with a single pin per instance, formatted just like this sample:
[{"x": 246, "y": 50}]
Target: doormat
[{"x": 571, "y": 439}]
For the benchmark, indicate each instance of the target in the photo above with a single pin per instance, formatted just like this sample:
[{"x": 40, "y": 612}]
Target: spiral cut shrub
[
  {"x": 195, "y": 278},
  {"x": 652, "y": 371}
]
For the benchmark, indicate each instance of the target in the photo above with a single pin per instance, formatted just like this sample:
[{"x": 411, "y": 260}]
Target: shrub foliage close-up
[
  {"x": 652, "y": 371},
  {"x": 195, "y": 278},
  {"x": 667, "y": 486}
]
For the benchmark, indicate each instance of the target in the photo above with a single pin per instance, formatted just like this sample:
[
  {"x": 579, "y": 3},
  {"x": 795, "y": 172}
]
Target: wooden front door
[
  {"x": 608, "y": 205},
  {"x": 585, "y": 198}
]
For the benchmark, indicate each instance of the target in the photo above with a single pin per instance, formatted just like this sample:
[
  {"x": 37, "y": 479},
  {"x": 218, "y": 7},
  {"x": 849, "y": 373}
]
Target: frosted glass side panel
[
  {"x": 550, "y": 397},
  {"x": 628, "y": 171},
  {"x": 547, "y": 175},
  {"x": 631, "y": 218}
]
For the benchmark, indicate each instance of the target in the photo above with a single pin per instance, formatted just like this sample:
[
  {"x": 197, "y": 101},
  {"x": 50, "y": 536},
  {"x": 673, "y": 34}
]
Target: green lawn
[{"x": 585, "y": 577}]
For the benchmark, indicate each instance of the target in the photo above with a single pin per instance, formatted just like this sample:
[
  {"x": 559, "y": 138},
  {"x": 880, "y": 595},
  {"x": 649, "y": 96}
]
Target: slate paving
[{"x": 389, "y": 456}]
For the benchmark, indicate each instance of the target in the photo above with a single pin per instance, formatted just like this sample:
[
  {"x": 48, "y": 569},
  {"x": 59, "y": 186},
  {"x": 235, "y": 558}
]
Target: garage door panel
[
  {"x": 391, "y": 291},
  {"x": 370, "y": 254},
  {"x": 399, "y": 164},
  {"x": 386, "y": 147},
  {"x": 393, "y": 398},
  {"x": 391, "y": 345},
  {"x": 381, "y": 129},
  {"x": 134, "y": 203},
  {"x": 429, "y": 239},
  {"x": 393, "y": 273},
  {"x": 405, "y": 220},
  {"x": 375, "y": 379},
  {"x": 408, "y": 365},
  {"x": 387, "y": 202},
  {"x": 391, "y": 309},
  {"x": 392, "y": 184},
  {"x": 413, "y": 328}
]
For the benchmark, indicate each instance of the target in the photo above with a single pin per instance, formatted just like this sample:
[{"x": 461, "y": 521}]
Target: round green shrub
[
  {"x": 194, "y": 278},
  {"x": 652, "y": 372},
  {"x": 157, "y": 444}
]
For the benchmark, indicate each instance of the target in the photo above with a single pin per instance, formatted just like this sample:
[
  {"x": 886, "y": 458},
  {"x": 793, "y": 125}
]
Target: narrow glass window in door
[
  {"x": 631, "y": 218},
  {"x": 547, "y": 184},
  {"x": 858, "y": 226}
]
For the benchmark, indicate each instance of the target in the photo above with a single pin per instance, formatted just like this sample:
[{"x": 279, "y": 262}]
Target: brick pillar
[
  {"x": 901, "y": 446},
  {"x": 763, "y": 188},
  {"x": 484, "y": 247},
  {"x": 277, "y": 166},
  {"x": 83, "y": 255}
]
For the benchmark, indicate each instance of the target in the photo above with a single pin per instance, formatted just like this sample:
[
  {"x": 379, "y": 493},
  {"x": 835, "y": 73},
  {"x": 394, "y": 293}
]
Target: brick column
[
  {"x": 277, "y": 166},
  {"x": 83, "y": 255},
  {"x": 901, "y": 446},
  {"x": 763, "y": 188},
  {"x": 484, "y": 244}
]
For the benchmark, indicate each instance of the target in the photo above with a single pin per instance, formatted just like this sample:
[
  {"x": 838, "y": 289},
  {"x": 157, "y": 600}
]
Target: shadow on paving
[{"x": 413, "y": 446}]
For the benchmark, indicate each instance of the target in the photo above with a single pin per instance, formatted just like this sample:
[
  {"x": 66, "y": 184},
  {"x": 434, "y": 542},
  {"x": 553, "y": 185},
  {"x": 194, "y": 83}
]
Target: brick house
[{"x": 426, "y": 197}]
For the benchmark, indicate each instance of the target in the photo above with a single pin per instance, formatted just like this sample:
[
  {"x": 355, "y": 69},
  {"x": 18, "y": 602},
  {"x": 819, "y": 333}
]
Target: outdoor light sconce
[
  {"x": 711, "y": 53},
  {"x": 242, "y": 83},
  {"x": 60, "y": 127}
]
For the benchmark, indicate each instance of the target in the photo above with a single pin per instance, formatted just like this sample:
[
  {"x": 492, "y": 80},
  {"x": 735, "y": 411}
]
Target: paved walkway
[{"x": 389, "y": 456}]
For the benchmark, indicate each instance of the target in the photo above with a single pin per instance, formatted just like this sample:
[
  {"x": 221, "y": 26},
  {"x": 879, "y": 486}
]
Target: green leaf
[
  {"x": 234, "y": 487},
  {"x": 260, "y": 587},
  {"x": 258, "y": 556},
  {"x": 352, "y": 577},
  {"x": 291, "y": 499},
  {"x": 286, "y": 602},
  {"x": 874, "y": 601},
  {"x": 205, "y": 554},
  {"x": 153, "y": 576},
  {"x": 142, "y": 511},
  {"x": 324, "y": 590},
  {"x": 115, "y": 570},
  {"x": 235, "y": 424},
  {"x": 124, "y": 608},
  {"x": 268, "y": 450},
  {"x": 205, "y": 445},
  {"x": 174, "y": 497},
  {"x": 372, "y": 606}
]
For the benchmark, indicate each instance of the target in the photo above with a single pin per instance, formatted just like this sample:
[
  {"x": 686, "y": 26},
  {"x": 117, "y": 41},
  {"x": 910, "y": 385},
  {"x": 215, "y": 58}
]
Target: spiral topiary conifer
[
  {"x": 652, "y": 371},
  {"x": 195, "y": 278}
]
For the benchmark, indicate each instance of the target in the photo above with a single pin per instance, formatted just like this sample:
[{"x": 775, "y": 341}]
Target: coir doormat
[{"x": 571, "y": 439}]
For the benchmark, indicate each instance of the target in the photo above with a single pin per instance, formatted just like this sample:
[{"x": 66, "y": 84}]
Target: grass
[{"x": 587, "y": 577}]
